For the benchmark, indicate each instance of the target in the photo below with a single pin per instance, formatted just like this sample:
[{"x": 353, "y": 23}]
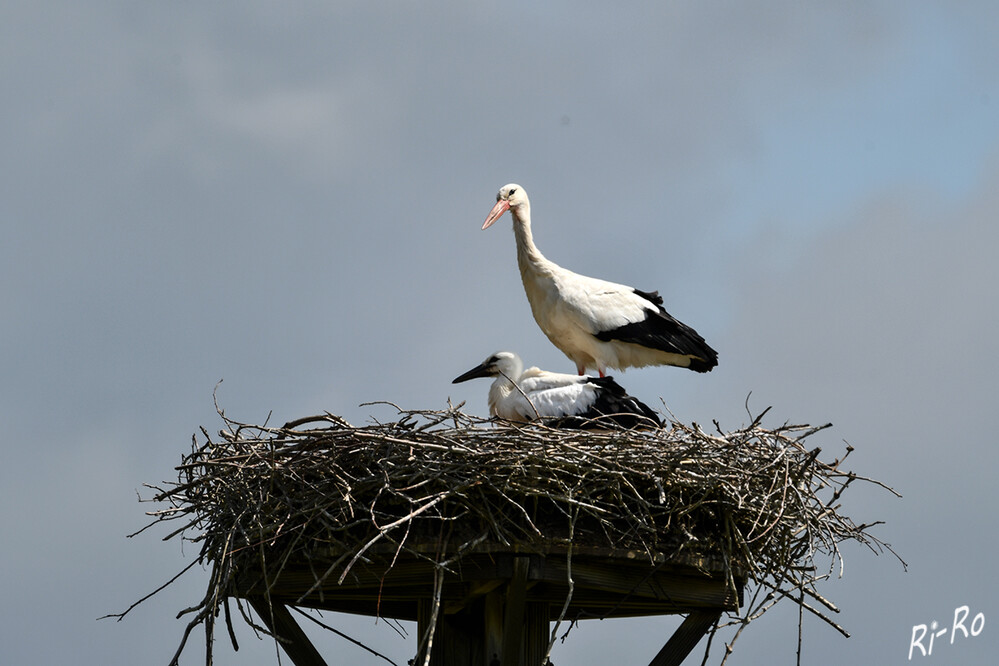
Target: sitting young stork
[
  {"x": 595, "y": 323},
  {"x": 581, "y": 402}
]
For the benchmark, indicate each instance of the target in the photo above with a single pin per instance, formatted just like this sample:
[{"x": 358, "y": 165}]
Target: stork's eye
[{"x": 512, "y": 190}]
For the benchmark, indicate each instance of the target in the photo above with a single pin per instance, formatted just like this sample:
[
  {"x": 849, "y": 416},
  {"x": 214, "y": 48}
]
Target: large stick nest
[{"x": 757, "y": 500}]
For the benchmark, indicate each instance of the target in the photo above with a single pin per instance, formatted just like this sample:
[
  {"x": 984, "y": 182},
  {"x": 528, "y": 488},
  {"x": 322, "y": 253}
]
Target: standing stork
[
  {"x": 582, "y": 402},
  {"x": 597, "y": 324}
]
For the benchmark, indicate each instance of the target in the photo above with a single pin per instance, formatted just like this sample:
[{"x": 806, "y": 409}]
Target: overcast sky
[{"x": 288, "y": 198}]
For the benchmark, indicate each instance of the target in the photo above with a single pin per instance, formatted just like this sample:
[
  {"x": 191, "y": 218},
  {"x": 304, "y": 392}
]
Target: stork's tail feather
[{"x": 698, "y": 364}]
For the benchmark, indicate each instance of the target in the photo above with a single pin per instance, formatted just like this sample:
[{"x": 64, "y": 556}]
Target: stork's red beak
[{"x": 496, "y": 213}]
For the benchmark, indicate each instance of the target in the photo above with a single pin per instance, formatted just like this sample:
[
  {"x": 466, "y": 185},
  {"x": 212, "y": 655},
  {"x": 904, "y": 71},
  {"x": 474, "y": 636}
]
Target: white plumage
[
  {"x": 597, "y": 324},
  {"x": 525, "y": 395}
]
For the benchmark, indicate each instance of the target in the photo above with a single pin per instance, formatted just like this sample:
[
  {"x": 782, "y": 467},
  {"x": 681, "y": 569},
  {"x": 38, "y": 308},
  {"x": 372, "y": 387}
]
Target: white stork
[
  {"x": 597, "y": 324},
  {"x": 582, "y": 402}
]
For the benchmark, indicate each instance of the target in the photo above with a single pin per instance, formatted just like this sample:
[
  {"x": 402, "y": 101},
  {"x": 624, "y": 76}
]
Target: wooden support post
[
  {"x": 435, "y": 644},
  {"x": 685, "y": 638},
  {"x": 279, "y": 622},
  {"x": 513, "y": 615},
  {"x": 538, "y": 632},
  {"x": 493, "y": 620},
  {"x": 517, "y": 631}
]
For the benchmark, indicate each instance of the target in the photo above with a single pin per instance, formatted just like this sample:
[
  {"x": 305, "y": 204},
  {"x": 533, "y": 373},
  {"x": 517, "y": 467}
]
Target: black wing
[
  {"x": 613, "y": 405},
  {"x": 660, "y": 330}
]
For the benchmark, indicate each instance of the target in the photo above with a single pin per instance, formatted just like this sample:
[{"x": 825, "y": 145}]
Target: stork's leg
[
  {"x": 581, "y": 369},
  {"x": 602, "y": 370}
]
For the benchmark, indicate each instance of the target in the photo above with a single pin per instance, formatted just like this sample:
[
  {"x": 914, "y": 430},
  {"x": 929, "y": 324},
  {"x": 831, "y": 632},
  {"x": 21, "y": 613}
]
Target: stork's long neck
[
  {"x": 529, "y": 258},
  {"x": 500, "y": 389}
]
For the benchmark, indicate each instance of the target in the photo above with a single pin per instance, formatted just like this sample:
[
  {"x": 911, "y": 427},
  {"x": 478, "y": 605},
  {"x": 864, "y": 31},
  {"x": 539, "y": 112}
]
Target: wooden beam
[
  {"x": 293, "y": 640},
  {"x": 538, "y": 628},
  {"x": 683, "y": 591},
  {"x": 685, "y": 638},
  {"x": 513, "y": 615},
  {"x": 492, "y": 617},
  {"x": 475, "y": 591}
]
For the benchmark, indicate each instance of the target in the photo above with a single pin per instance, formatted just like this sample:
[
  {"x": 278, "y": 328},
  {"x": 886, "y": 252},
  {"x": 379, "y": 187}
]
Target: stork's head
[
  {"x": 511, "y": 197},
  {"x": 502, "y": 363}
]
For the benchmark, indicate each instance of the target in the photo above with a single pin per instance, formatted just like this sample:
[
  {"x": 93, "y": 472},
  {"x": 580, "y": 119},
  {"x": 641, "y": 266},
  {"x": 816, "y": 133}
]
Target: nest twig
[{"x": 260, "y": 497}]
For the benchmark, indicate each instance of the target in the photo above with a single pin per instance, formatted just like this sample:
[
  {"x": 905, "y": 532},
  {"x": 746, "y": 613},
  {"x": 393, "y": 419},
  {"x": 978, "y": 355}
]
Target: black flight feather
[
  {"x": 660, "y": 330},
  {"x": 613, "y": 405}
]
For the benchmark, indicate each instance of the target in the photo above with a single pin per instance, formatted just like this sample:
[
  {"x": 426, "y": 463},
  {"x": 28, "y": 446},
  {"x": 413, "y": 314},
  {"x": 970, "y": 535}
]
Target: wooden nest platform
[{"x": 486, "y": 533}]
